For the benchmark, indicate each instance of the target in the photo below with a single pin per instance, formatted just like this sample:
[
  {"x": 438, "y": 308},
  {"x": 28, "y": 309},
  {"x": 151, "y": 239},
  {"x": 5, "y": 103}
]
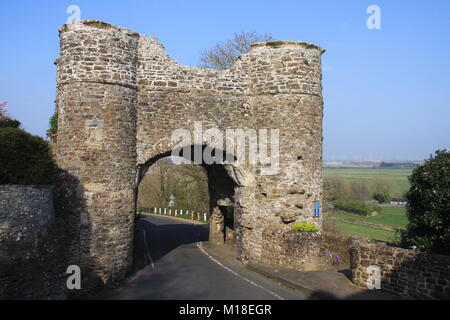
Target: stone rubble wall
[
  {"x": 28, "y": 258},
  {"x": 292, "y": 249},
  {"x": 408, "y": 273}
]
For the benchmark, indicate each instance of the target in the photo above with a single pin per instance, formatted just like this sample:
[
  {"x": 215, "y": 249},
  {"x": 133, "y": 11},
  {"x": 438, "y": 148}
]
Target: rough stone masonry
[{"x": 120, "y": 96}]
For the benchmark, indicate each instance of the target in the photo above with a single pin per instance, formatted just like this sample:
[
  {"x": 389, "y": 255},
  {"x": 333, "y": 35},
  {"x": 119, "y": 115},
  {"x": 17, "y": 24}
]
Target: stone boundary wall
[
  {"x": 28, "y": 252},
  {"x": 408, "y": 273},
  {"x": 292, "y": 249}
]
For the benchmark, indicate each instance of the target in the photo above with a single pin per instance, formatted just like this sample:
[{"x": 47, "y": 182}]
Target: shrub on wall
[
  {"x": 24, "y": 159},
  {"x": 304, "y": 227},
  {"x": 53, "y": 127}
]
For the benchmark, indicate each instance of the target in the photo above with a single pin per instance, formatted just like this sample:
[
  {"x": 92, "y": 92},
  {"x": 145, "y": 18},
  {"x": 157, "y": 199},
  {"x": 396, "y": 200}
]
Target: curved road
[{"x": 182, "y": 270}]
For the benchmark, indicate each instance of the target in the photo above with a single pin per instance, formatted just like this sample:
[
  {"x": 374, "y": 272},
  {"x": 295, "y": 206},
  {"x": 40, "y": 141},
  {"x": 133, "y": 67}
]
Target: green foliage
[
  {"x": 382, "y": 189},
  {"x": 53, "y": 126},
  {"x": 9, "y": 123},
  {"x": 335, "y": 187},
  {"x": 359, "y": 190},
  {"x": 382, "y": 197},
  {"x": 428, "y": 206},
  {"x": 304, "y": 227},
  {"x": 188, "y": 183},
  {"x": 356, "y": 206},
  {"x": 396, "y": 178},
  {"x": 24, "y": 159}
]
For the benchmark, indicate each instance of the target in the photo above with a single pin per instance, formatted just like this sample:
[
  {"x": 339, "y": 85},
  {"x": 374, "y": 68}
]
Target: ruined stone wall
[
  {"x": 409, "y": 273},
  {"x": 120, "y": 97},
  {"x": 276, "y": 85},
  {"x": 27, "y": 247}
]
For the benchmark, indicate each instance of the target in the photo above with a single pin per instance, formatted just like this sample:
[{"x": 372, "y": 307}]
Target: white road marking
[
  {"x": 147, "y": 250},
  {"x": 199, "y": 245}
]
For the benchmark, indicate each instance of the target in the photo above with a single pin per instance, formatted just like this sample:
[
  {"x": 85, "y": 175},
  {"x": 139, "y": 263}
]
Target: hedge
[
  {"x": 355, "y": 206},
  {"x": 25, "y": 159},
  {"x": 9, "y": 123}
]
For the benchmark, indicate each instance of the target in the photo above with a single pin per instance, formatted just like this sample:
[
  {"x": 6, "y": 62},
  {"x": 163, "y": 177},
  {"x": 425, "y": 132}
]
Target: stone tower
[
  {"x": 96, "y": 104},
  {"x": 119, "y": 98}
]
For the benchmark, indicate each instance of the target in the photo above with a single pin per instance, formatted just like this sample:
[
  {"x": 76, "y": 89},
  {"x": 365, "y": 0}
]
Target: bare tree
[
  {"x": 188, "y": 182},
  {"x": 224, "y": 54}
]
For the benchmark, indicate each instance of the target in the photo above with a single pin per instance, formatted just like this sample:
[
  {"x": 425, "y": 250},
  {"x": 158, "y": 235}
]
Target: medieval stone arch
[{"x": 119, "y": 98}]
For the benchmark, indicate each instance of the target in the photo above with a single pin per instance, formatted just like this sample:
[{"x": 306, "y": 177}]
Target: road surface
[{"x": 183, "y": 270}]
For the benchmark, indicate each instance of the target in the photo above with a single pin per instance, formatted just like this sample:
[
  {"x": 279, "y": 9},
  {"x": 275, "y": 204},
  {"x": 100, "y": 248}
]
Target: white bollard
[
  {"x": 176, "y": 212},
  {"x": 181, "y": 212},
  {"x": 170, "y": 212},
  {"x": 154, "y": 211},
  {"x": 165, "y": 211},
  {"x": 204, "y": 217}
]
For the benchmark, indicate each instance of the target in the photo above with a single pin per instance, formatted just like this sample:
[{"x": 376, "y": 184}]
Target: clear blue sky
[{"x": 387, "y": 92}]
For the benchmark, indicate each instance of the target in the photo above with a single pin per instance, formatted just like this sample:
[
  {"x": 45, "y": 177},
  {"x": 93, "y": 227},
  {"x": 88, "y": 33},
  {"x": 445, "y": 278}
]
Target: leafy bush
[
  {"x": 53, "y": 127},
  {"x": 24, "y": 159},
  {"x": 356, "y": 206},
  {"x": 428, "y": 208},
  {"x": 382, "y": 197},
  {"x": 382, "y": 189},
  {"x": 9, "y": 123},
  {"x": 304, "y": 227}
]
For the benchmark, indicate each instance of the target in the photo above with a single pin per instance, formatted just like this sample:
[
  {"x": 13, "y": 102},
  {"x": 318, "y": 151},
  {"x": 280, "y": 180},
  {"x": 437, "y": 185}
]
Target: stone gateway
[{"x": 119, "y": 98}]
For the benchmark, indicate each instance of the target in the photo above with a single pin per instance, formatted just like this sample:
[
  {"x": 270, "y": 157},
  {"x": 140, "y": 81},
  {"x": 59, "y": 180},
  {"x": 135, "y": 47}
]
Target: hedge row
[
  {"x": 25, "y": 159},
  {"x": 355, "y": 206}
]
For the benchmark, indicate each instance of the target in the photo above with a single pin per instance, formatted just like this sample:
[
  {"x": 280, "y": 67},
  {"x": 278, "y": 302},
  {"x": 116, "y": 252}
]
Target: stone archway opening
[{"x": 222, "y": 203}]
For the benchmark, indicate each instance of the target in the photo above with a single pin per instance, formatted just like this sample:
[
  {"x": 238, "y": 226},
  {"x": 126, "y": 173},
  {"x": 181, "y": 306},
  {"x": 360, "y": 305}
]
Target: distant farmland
[
  {"x": 400, "y": 176},
  {"x": 381, "y": 227}
]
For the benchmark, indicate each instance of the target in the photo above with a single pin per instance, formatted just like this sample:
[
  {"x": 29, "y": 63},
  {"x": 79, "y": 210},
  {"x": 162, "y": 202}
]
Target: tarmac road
[{"x": 183, "y": 270}]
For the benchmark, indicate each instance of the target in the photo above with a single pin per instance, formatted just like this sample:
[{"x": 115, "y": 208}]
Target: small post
[
  {"x": 181, "y": 212},
  {"x": 170, "y": 212},
  {"x": 165, "y": 211},
  {"x": 204, "y": 217},
  {"x": 154, "y": 210},
  {"x": 176, "y": 212}
]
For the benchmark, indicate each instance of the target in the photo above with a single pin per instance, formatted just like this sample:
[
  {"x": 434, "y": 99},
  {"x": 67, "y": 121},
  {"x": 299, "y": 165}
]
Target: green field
[
  {"x": 352, "y": 229},
  {"x": 399, "y": 176},
  {"x": 389, "y": 219},
  {"x": 394, "y": 217}
]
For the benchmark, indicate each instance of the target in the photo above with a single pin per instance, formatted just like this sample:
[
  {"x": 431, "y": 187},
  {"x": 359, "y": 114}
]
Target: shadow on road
[{"x": 152, "y": 241}]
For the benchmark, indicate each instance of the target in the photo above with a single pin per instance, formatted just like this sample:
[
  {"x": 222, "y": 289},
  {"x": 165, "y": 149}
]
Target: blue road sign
[{"x": 316, "y": 209}]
